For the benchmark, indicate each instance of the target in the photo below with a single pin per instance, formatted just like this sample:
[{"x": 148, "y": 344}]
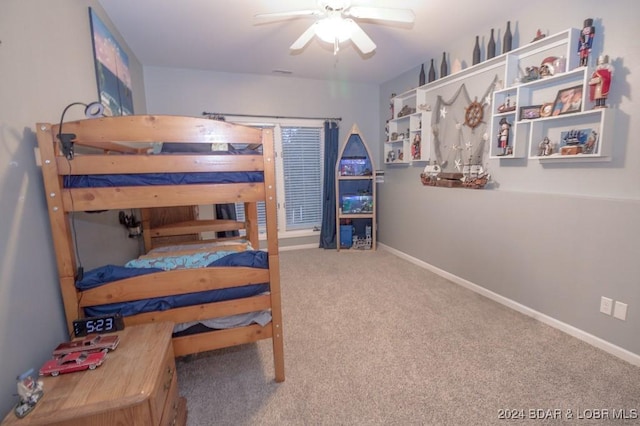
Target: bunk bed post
[
  {"x": 272, "y": 249},
  {"x": 59, "y": 220},
  {"x": 146, "y": 229},
  {"x": 251, "y": 224}
]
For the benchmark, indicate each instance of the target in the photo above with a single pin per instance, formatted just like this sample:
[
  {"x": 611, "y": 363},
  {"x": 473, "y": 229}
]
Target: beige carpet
[{"x": 373, "y": 339}]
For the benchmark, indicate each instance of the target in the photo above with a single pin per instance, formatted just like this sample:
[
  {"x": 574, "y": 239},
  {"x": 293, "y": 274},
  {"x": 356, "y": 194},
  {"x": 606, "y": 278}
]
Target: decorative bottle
[
  {"x": 491, "y": 46},
  {"x": 432, "y": 72},
  {"x": 476, "y": 51},
  {"x": 443, "y": 66},
  {"x": 506, "y": 43},
  {"x": 422, "y": 76}
]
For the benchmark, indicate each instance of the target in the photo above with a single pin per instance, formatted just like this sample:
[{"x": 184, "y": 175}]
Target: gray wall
[
  {"x": 190, "y": 92},
  {"x": 552, "y": 238},
  {"x": 46, "y": 62}
]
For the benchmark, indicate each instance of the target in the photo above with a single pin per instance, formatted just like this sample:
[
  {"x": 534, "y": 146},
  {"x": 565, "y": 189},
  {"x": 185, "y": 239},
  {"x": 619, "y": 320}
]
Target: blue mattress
[
  {"x": 145, "y": 179},
  {"x": 110, "y": 273}
]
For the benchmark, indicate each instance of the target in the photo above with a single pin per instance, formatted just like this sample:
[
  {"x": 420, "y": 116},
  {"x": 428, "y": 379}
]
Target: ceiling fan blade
[
  {"x": 291, "y": 14},
  {"x": 382, "y": 14},
  {"x": 362, "y": 40},
  {"x": 304, "y": 38}
]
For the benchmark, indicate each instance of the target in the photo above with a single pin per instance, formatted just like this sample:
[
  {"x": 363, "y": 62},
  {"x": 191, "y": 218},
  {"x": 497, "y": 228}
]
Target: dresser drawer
[
  {"x": 167, "y": 382},
  {"x": 170, "y": 410}
]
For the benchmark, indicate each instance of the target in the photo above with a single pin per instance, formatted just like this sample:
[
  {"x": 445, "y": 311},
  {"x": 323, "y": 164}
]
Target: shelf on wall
[
  {"x": 414, "y": 146},
  {"x": 525, "y": 133},
  {"x": 534, "y": 117}
]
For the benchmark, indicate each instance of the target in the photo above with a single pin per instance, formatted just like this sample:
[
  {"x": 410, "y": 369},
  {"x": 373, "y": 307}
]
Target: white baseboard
[
  {"x": 569, "y": 329},
  {"x": 298, "y": 247}
]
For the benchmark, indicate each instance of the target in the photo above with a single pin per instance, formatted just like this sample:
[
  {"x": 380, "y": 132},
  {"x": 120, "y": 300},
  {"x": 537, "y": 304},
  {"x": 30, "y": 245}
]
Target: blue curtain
[{"x": 328, "y": 230}]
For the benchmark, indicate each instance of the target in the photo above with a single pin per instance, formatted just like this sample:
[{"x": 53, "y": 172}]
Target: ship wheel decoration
[{"x": 474, "y": 114}]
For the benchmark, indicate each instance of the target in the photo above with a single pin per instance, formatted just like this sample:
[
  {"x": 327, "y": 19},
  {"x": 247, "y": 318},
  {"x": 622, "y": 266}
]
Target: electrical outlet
[
  {"x": 620, "y": 311},
  {"x": 606, "y": 305}
]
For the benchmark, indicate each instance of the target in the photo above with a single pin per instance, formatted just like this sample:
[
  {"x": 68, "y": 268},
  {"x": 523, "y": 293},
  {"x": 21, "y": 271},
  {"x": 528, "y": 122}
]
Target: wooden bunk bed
[{"x": 119, "y": 146}]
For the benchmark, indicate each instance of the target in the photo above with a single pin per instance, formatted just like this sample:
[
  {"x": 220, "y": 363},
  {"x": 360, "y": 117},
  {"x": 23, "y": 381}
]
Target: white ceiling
[{"x": 223, "y": 35}]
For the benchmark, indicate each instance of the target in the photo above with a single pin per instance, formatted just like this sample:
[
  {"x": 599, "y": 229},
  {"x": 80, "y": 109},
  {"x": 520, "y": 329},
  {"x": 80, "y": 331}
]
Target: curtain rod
[{"x": 220, "y": 114}]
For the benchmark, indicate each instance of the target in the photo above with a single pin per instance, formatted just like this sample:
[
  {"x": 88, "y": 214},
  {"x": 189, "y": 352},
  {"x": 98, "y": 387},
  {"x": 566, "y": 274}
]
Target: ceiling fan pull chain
[{"x": 336, "y": 46}]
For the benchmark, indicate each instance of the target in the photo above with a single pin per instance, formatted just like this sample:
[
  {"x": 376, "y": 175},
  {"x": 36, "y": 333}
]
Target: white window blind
[
  {"x": 302, "y": 160},
  {"x": 299, "y": 176}
]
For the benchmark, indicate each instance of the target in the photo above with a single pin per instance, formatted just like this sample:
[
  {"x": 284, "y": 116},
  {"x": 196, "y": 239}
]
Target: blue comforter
[{"x": 109, "y": 273}]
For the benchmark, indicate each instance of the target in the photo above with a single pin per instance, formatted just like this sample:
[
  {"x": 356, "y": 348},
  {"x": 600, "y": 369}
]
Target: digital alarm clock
[{"x": 98, "y": 325}]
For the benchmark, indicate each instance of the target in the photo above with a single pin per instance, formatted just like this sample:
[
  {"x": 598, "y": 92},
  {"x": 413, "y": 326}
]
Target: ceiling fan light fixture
[
  {"x": 334, "y": 29},
  {"x": 335, "y": 25}
]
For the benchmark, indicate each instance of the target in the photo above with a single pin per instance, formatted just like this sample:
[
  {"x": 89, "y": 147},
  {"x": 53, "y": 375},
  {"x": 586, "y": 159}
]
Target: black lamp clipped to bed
[{"x": 92, "y": 110}]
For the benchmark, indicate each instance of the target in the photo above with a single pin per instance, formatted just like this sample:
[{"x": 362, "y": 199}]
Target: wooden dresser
[{"x": 136, "y": 385}]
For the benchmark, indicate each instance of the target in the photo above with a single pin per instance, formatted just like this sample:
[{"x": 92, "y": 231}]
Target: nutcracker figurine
[
  {"x": 503, "y": 136},
  {"x": 600, "y": 82},
  {"x": 586, "y": 41}
]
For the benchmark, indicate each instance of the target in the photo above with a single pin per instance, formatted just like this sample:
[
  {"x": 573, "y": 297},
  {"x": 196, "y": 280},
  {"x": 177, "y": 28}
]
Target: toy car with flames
[{"x": 74, "y": 361}]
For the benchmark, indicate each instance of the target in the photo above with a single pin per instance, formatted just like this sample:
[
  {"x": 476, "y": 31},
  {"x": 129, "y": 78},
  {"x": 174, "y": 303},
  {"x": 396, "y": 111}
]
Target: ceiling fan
[{"x": 335, "y": 23}]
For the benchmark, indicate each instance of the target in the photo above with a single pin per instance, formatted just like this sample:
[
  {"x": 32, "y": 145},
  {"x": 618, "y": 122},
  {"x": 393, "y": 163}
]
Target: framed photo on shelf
[
  {"x": 530, "y": 112},
  {"x": 568, "y": 101}
]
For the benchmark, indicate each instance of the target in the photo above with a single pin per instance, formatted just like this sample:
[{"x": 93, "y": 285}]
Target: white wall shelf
[
  {"x": 591, "y": 128},
  {"x": 409, "y": 139},
  {"x": 535, "y": 118},
  {"x": 526, "y": 132}
]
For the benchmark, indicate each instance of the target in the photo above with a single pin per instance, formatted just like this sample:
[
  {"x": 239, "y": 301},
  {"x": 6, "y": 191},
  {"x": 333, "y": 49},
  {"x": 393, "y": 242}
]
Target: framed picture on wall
[
  {"x": 112, "y": 69},
  {"x": 568, "y": 100}
]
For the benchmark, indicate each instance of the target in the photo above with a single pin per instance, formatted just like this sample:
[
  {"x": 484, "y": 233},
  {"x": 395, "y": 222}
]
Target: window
[
  {"x": 302, "y": 166},
  {"x": 299, "y": 177}
]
